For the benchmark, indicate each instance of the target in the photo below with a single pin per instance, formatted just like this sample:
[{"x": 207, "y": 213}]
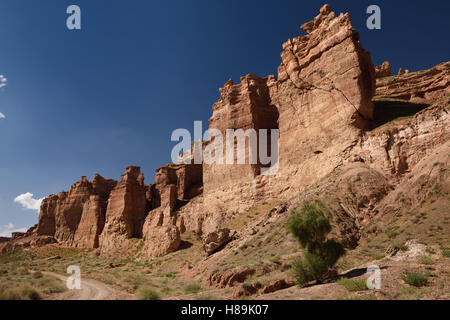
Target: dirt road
[{"x": 90, "y": 290}]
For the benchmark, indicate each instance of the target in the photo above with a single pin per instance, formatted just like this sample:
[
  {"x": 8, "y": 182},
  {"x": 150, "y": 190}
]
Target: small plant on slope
[
  {"x": 311, "y": 226},
  {"x": 415, "y": 279},
  {"x": 353, "y": 284}
]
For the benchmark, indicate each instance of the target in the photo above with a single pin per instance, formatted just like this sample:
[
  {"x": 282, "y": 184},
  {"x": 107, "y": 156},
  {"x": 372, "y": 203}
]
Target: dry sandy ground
[{"x": 90, "y": 290}]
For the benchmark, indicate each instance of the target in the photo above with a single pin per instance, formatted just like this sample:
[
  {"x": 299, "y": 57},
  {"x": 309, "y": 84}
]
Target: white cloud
[
  {"x": 7, "y": 230},
  {"x": 3, "y": 81},
  {"x": 28, "y": 202}
]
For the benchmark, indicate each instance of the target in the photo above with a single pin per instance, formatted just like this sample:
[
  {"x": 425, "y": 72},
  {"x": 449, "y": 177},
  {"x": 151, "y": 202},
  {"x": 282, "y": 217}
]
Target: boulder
[
  {"x": 243, "y": 290},
  {"x": 229, "y": 277},
  {"x": 42, "y": 241},
  {"x": 277, "y": 285},
  {"x": 216, "y": 240},
  {"x": 162, "y": 240},
  {"x": 384, "y": 70}
]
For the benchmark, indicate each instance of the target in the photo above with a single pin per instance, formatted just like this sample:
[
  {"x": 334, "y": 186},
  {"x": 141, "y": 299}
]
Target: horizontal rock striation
[{"x": 427, "y": 86}]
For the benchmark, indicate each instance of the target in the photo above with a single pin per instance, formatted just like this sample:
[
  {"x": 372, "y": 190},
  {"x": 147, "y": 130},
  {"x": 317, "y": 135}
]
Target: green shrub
[
  {"x": 446, "y": 253},
  {"x": 244, "y": 246},
  {"x": 425, "y": 260},
  {"x": 311, "y": 226},
  {"x": 192, "y": 288},
  {"x": 24, "y": 292},
  {"x": 401, "y": 247},
  {"x": 147, "y": 293},
  {"x": 415, "y": 279},
  {"x": 301, "y": 272},
  {"x": 50, "y": 284},
  {"x": 353, "y": 284},
  {"x": 247, "y": 286},
  {"x": 275, "y": 260}
]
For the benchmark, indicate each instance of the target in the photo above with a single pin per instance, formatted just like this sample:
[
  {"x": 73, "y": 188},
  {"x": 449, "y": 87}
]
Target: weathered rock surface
[
  {"x": 323, "y": 94},
  {"x": 4, "y": 239},
  {"x": 394, "y": 150},
  {"x": 126, "y": 210},
  {"x": 245, "y": 106},
  {"x": 76, "y": 217},
  {"x": 277, "y": 285},
  {"x": 91, "y": 223},
  {"x": 46, "y": 225},
  {"x": 161, "y": 240},
  {"x": 42, "y": 241},
  {"x": 427, "y": 86},
  {"x": 17, "y": 235},
  {"x": 22, "y": 243},
  {"x": 243, "y": 290},
  {"x": 228, "y": 278},
  {"x": 217, "y": 239},
  {"x": 384, "y": 70},
  {"x": 320, "y": 103},
  {"x": 224, "y": 279}
]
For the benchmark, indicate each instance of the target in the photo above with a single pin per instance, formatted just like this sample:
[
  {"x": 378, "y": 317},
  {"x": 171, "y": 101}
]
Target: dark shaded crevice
[{"x": 389, "y": 110}]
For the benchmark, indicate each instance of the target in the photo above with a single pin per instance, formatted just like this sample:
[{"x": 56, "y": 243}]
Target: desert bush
[
  {"x": 137, "y": 280},
  {"x": 353, "y": 284},
  {"x": 23, "y": 292},
  {"x": 401, "y": 247},
  {"x": 415, "y": 279},
  {"x": 51, "y": 285},
  {"x": 311, "y": 226},
  {"x": 275, "y": 260},
  {"x": 446, "y": 253},
  {"x": 192, "y": 288},
  {"x": 425, "y": 260},
  {"x": 209, "y": 297},
  {"x": 147, "y": 293}
]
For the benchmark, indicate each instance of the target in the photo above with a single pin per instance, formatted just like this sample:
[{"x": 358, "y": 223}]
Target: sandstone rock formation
[
  {"x": 384, "y": 70},
  {"x": 76, "y": 217},
  {"x": 217, "y": 239},
  {"x": 396, "y": 149},
  {"x": 106, "y": 213},
  {"x": 4, "y": 239},
  {"x": 277, "y": 285},
  {"x": 427, "y": 86},
  {"x": 161, "y": 240},
  {"x": 320, "y": 103},
  {"x": 335, "y": 119},
  {"x": 126, "y": 210}
]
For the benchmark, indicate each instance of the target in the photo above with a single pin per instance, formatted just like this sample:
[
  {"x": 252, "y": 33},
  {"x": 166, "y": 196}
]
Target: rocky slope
[{"x": 349, "y": 133}]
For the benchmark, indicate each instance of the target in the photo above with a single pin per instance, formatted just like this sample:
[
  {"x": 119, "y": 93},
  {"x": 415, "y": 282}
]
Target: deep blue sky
[{"x": 109, "y": 96}]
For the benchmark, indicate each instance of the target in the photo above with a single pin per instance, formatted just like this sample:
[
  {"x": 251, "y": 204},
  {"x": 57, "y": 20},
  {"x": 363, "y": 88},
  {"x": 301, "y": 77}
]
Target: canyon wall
[{"x": 322, "y": 103}]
